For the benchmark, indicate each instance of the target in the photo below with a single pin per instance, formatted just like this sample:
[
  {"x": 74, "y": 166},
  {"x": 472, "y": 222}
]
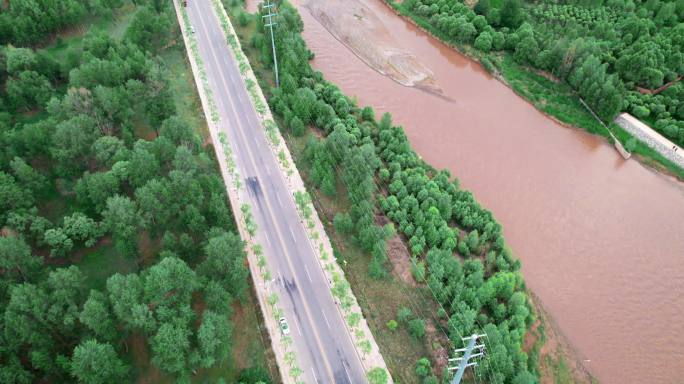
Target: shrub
[
  {"x": 403, "y": 314},
  {"x": 417, "y": 328},
  {"x": 484, "y": 42}
]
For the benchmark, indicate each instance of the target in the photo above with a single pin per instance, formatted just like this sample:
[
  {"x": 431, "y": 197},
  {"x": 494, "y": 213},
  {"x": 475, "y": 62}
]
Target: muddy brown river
[{"x": 601, "y": 239}]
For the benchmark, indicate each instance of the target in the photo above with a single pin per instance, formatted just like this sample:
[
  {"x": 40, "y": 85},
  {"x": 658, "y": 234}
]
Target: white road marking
[
  {"x": 267, "y": 239},
  {"x": 297, "y": 325},
  {"x": 314, "y": 375},
  {"x": 326, "y": 319},
  {"x": 347, "y": 372},
  {"x": 307, "y": 273},
  {"x": 279, "y": 202},
  {"x": 292, "y": 234}
]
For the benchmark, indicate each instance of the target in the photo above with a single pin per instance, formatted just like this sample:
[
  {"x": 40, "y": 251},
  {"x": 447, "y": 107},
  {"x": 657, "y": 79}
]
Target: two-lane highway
[{"x": 324, "y": 349}]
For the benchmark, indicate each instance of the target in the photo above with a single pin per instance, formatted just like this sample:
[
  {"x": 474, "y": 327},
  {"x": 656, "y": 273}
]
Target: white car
[
  {"x": 284, "y": 327},
  {"x": 192, "y": 29}
]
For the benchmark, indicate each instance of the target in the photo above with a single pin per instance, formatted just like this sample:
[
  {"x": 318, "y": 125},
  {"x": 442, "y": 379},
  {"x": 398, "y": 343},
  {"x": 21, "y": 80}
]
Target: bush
[
  {"x": 392, "y": 325},
  {"x": 297, "y": 126},
  {"x": 417, "y": 328},
  {"x": 484, "y": 42},
  {"x": 631, "y": 144},
  {"x": 343, "y": 223},
  {"x": 403, "y": 314}
]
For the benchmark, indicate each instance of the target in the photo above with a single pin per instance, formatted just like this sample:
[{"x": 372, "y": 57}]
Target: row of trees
[
  {"x": 26, "y": 22},
  {"x": 78, "y": 148},
  {"x": 605, "y": 50},
  {"x": 469, "y": 269}
]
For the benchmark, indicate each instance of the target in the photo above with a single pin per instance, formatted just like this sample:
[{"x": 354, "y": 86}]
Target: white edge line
[
  {"x": 326, "y": 319},
  {"x": 314, "y": 375},
  {"x": 307, "y": 273},
  {"x": 347, "y": 372},
  {"x": 299, "y": 330}
]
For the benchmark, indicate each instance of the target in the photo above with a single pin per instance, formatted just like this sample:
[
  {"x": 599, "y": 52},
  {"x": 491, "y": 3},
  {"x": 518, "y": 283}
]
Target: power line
[{"x": 270, "y": 24}]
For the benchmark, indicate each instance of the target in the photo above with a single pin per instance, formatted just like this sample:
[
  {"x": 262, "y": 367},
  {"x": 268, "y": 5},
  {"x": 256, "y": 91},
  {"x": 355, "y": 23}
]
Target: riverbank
[
  {"x": 578, "y": 215},
  {"x": 547, "y": 94}
]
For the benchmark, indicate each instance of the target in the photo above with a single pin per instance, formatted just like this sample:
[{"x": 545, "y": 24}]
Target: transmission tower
[
  {"x": 270, "y": 8},
  {"x": 463, "y": 362}
]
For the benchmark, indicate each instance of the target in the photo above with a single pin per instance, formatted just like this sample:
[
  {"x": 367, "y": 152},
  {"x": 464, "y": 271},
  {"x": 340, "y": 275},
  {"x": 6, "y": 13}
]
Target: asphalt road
[{"x": 324, "y": 348}]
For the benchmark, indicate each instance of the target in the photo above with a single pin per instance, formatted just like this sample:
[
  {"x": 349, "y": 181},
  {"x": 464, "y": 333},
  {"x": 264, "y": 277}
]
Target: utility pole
[
  {"x": 271, "y": 12},
  {"x": 464, "y": 361}
]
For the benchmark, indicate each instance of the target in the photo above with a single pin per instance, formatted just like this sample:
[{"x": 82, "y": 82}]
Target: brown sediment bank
[
  {"x": 360, "y": 30},
  {"x": 599, "y": 237}
]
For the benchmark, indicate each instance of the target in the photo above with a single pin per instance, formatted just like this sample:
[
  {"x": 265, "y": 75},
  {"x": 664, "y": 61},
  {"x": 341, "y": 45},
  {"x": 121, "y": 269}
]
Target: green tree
[
  {"x": 214, "y": 338},
  {"x": 511, "y": 13},
  {"x": 122, "y": 219},
  {"x": 225, "y": 263},
  {"x": 423, "y": 367},
  {"x": 58, "y": 241},
  {"x": 343, "y": 223},
  {"x": 404, "y": 315},
  {"x": 169, "y": 283},
  {"x": 28, "y": 90},
  {"x": 97, "y": 363},
  {"x": 377, "y": 375},
  {"x": 484, "y": 42},
  {"x": 148, "y": 29},
  {"x": 12, "y": 197},
  {"x": 28, "y": 177},
  {"x": 171, "y": 347},
  {"x": 16, "y": 260},
  {"x": 82, "y": 228},
  {"x": 417, "y": 328},
  {"x": 97, "y": 316}
]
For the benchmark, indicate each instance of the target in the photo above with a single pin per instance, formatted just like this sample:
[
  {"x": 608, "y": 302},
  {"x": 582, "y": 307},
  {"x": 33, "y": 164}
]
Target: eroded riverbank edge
[{"x": 646, "y": 156}]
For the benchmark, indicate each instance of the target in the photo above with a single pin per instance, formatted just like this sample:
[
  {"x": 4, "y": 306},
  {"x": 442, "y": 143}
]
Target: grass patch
[
  {"x": 182, "y": 85},
  {"x": 103, "y": 261}
]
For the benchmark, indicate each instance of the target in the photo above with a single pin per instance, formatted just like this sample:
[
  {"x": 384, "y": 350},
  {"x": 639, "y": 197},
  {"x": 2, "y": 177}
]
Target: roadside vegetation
[
  {"x": 617, "y": 55},
  {"x": 119, "y": 258},
  {"x": 374, "y": 190}
]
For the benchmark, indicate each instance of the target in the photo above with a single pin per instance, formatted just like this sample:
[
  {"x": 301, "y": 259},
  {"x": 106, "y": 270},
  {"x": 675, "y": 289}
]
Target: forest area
[
  {"x": 456, "y": 248},
  {"x": 119, "y": 257},
  {"x": 617, "y": 55}
]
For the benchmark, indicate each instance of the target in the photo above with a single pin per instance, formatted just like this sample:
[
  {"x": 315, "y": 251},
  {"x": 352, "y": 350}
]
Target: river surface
[{"x": 601, "y": 239}]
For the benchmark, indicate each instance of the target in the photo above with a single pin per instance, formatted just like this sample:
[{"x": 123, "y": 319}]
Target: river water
[{"x": 601, "y": 239}]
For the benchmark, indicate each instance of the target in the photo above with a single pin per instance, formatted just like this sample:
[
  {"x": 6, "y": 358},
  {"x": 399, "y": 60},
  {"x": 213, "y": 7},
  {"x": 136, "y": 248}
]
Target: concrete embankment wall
[{"x": 652, "y": 138}]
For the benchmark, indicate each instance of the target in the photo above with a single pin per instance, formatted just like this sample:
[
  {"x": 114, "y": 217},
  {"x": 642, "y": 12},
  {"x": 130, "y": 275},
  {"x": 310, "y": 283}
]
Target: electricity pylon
[
  {"x": 464, "y": 361},
  {"x": 270, "y": 23}
]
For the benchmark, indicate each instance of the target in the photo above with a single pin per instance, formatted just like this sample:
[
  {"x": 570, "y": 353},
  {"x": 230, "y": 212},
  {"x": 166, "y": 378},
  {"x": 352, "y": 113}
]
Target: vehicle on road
[{"x": 284, "y": 327}]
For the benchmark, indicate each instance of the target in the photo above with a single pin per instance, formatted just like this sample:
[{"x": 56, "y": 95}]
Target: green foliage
[
  {"x": 603, "y": 51},
  {"x": 97, "y": 363},
  {"x": 77, "y": 158},
  {"x": 404, "y": 315},
  {"x": 377, "y": 376},
  {"x": 343, "y": 223},
  {"x": 416, "y": 328},
  {"x": 425, "y": 205},
  {"x": 171, "y": 347},
  {"x": 149, "y": 29},
  {"x": 392, "y": 325},
  {"x": 423, "y": 367}
]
